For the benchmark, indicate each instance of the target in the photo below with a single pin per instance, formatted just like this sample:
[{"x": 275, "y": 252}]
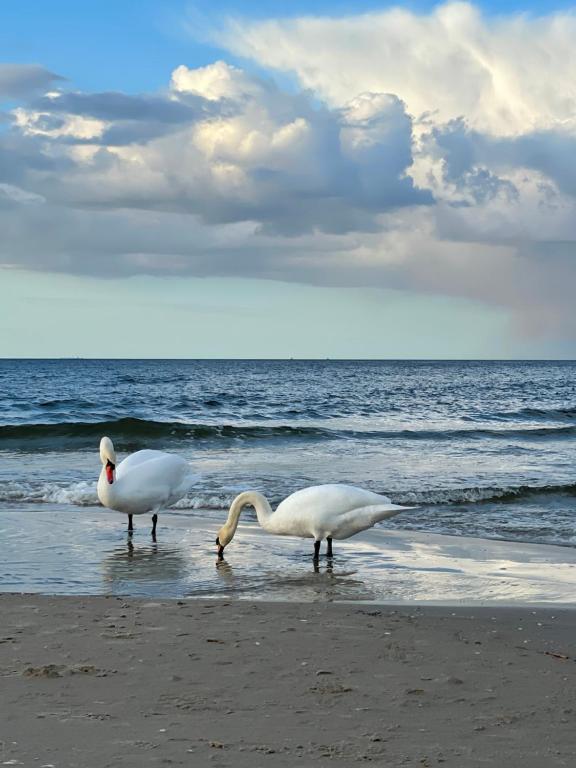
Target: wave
[
  {"x": 83, "y": 494},
  {"x": 133, "y": 432},
  {"x": 466, "y": 433},
  {"x": 479, "y": 494},
  {"x": 526, "y": 414}
]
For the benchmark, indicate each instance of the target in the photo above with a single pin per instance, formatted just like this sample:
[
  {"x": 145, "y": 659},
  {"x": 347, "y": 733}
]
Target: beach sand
[{"x": 108, "y": 681}]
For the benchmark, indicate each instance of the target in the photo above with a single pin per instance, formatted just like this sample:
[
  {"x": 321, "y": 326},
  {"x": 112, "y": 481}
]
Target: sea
[{"x": 479, "y": 448}]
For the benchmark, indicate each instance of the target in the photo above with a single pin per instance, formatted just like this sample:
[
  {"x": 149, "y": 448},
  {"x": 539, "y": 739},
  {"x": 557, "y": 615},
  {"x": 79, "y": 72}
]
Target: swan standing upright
[
  {"x": 319, "y": 512},
  {"x": 146, "y": 481}
]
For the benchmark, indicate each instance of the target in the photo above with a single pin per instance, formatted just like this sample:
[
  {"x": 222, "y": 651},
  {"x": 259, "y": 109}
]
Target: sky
[{"x": 305, "y": 179}]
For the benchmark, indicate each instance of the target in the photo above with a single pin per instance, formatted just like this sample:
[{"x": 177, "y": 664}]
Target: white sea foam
[
  {"x": 207, "y": 501},
  {"x": 83, "y": 494},
  {"x": 474, "y": 495},
  {"x": 456, "y": 495}
]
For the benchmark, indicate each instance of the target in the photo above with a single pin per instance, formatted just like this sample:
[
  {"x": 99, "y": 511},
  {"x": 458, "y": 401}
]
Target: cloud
[
  {"x": 227, "y": 147},
  {"x": 549, "y": 153},
  {"x": 108, "y": 119},
  {"x": 452, "y": 62},
  {"x": 11, "y": 196},
  {"x": 493, "y": 140},
  {"x": 19, "y": 81}
]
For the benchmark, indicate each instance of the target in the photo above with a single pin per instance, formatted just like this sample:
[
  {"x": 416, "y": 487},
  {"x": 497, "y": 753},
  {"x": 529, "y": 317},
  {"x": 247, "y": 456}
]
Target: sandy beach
[{"x": 108, "y": 681}]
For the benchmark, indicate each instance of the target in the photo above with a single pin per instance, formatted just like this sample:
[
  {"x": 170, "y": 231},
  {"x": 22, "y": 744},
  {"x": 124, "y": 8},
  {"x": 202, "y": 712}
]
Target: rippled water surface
[{"x": 484, "y": 449}]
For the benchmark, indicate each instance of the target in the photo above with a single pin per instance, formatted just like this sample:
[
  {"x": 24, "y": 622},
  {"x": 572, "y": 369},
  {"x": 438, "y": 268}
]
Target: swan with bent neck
[
  {"x": 145, "y": 481},
  {"x": 320, "y": 512}
]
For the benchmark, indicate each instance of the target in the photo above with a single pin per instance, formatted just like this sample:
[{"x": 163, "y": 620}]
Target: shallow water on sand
[{"x": 91, "y": 553}]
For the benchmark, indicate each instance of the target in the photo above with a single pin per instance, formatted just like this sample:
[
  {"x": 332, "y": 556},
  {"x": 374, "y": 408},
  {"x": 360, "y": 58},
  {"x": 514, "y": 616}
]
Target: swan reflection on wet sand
[
  {"x": 309, "y": 582},
  {"x": 131, "y": 569}
]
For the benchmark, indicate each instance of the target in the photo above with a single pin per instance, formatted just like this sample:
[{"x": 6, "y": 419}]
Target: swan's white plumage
[
  {"x": 145, "y": 481},
  {"x": 322, "y": 511},
  {"x": 134, "y": 459},
  {"x": 334, "y": 510}
]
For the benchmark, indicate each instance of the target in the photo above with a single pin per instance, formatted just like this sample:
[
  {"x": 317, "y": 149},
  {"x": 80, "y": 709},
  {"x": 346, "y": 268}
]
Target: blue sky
[{"x": 439, "y": 262}]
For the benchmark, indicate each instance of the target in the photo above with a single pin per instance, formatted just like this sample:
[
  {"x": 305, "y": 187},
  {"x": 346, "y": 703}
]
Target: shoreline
[{"x": 113, "y": 681}]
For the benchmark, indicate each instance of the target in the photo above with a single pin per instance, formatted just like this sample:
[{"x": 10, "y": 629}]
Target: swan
[
  {"x": 320, "y": 512},
  {"x": 146, "y": 481}
]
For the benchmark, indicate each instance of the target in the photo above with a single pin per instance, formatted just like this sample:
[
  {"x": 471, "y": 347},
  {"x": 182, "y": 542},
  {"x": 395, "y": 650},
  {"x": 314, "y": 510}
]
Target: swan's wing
[
  {"x": 360, "y": 519},
  {"x": 134, "y": 459},
  {"x": 156, "y": 482},
  {"x": 338, "y": 498}
]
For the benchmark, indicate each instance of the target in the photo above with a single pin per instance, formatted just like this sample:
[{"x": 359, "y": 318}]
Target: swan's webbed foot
[
  {"x": 316, "y": 550},
  {"x": 130, "y": 525},
  {"x": 329, "y": 546},
  {"x": 154, "y": 522}
]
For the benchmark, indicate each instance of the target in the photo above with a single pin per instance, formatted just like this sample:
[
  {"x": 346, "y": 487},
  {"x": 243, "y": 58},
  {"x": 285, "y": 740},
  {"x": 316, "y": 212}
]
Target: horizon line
[{"x": 300, "y": 359}]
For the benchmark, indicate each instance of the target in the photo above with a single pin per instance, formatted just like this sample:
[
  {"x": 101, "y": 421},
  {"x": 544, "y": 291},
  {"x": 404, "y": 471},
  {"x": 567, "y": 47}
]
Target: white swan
[
  {"x": 319, "y": 512},
  {"x": 146, "y": 481}
]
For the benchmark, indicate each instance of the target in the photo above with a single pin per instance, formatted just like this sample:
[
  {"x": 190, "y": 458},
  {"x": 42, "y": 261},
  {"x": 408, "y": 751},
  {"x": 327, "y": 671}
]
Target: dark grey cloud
[
  {"x": 25, "y": 160},
  {"x": 129, "y": 119},
  {"x": 120, "y": 106},
  {"x": 18, "y": 81},
  {"x": 473, "y": 160}
]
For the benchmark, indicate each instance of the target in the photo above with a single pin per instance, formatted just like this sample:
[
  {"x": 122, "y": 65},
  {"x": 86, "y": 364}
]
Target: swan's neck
[
  {"x": 106, "y": 490},
  {"x": 246, "y": 499}
]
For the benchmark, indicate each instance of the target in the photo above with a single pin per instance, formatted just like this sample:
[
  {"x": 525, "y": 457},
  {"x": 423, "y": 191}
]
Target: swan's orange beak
[{"x": 110, "y": 472}]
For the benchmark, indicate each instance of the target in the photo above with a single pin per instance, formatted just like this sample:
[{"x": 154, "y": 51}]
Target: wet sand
[{"x": 108, "y": 681}]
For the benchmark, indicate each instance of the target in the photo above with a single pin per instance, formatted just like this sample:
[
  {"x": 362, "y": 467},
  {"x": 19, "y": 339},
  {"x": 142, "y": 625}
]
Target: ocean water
[{"x": 483, "y": 449}]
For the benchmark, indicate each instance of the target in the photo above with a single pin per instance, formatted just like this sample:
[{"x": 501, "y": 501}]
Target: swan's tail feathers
[
  {"x": 362, "y": 518},
  {"x": 365, "y": 517},
  {"x": 384, "y": 511}
]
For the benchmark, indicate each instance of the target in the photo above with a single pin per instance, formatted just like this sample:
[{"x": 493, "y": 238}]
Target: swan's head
[
  {"x": 225, "y": 536},
  {"x": 108, "y": 457}
]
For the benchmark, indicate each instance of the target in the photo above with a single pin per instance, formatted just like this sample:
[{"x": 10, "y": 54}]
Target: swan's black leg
[
  {"x": 329, "y": 546},
  {"x": 154, "y": 521},
  {"x": 316, "y": 550},
  {"x": 130, "y": 526}
]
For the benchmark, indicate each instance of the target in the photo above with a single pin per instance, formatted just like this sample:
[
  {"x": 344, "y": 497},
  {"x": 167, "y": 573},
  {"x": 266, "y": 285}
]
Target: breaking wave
[{"x": 83, "y": 494}]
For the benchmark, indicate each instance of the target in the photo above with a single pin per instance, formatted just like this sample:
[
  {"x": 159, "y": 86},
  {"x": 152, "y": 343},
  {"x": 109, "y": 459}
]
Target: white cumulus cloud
[{"x": 507, "y": 74}]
